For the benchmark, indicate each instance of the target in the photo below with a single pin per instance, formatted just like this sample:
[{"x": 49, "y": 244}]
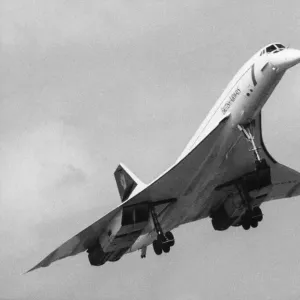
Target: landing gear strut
[
  {"x": 254, "y": 214},
  {"x": 249, "y": 136},
  {"x": 144, "y": 251},
  {"x": 254, "y": 180},
  {"x": 164, "y": 241}
]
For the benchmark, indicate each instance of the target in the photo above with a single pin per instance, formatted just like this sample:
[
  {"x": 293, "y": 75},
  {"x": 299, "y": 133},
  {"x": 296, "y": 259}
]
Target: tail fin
[{"x": 126, "y": 181}]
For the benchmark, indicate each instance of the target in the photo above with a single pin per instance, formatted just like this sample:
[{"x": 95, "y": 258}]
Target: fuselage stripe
[{"x": 253, "y": 75}]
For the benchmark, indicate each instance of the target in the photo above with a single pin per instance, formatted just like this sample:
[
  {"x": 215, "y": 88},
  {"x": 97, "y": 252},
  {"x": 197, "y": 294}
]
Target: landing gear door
[{"x": 135, "y": 217}]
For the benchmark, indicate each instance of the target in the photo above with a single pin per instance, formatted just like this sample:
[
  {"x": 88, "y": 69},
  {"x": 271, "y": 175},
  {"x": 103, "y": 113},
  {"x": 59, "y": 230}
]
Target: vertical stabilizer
[{"x": 126, "y": 181}]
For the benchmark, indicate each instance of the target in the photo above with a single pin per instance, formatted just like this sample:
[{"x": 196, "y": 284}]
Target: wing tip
[
  {"x": 39, "y": 265},
  {"x": 30, "y": 270}
]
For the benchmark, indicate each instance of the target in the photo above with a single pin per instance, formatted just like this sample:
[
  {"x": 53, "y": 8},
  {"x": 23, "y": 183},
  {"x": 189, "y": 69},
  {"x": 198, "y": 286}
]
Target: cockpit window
[
  {"x": 262, "y": 52},
  {"x": 271, "y": 48}
]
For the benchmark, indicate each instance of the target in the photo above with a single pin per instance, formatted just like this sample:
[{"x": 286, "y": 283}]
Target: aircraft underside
[
  {"x": 244, "y": 211},
  {"x": 225, "y": 173}
]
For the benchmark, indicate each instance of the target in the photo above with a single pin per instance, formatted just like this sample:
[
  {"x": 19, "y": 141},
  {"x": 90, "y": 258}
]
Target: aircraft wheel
[
  {"x": 166, "y": 247},
  {"x": 170, "y": 238},
  {"x": 258, "y": 213},
  {"x": 246, "y": 225},
  {"x": 246, "y": 221},
  {"x": 254, "y": 223},
  {"x": 157, "y": 247}
]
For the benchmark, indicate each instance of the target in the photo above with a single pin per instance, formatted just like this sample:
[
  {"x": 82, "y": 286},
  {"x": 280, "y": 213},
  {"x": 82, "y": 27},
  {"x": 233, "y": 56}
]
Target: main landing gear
[
  {"x": 255, "y": 180},
  {"x": 164, "y": 241}
]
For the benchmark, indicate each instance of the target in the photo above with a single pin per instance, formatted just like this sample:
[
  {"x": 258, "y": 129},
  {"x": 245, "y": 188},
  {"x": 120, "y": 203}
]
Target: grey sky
[{"x": 87, "y": 84}]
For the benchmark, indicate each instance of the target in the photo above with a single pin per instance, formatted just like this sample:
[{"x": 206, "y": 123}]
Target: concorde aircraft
[{"x": 216, "y": 175}]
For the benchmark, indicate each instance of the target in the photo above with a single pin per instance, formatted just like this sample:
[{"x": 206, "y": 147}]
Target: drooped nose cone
[{"x": 285, "y": 59}]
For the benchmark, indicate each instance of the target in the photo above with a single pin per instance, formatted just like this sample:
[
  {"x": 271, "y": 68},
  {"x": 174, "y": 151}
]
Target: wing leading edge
[
  {"x": 80, "y": 242},
  {"x": 168, "y": 185}
]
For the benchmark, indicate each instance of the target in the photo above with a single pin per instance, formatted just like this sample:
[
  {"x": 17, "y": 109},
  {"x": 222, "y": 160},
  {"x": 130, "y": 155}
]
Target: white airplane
[{"x": 225, "y": 173}]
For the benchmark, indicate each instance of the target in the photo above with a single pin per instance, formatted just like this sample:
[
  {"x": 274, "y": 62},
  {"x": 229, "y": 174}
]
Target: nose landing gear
[
  {"x": 247, "y": 131},
  {"x": 164, "y": 241}
]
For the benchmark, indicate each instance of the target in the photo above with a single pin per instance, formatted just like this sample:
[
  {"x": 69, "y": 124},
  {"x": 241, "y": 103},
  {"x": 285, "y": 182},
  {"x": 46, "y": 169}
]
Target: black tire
[
  {"x": 170, "y": 237},
  {"x": 257, "y": 210},
  {"x": 246, "y": 221},
  {"x": 260, "y": 218},
  {"x": 157, "y": 247},
  {"x": 166, "y": 247},
  {"x": 254, "y": 223},
  {"x": 246, "y": 225},
  {"x": 258, "y": 213}
]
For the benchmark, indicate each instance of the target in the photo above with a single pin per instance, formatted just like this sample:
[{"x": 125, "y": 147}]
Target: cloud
[
  {"x": 44, "y": 23},
  {"x": 43, "y": 176},
  {"x": 71, "y": 176}
]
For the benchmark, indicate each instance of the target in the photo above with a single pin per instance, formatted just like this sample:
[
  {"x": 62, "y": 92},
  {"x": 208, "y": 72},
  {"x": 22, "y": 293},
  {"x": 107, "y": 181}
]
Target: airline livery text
[{"x": 232, "y": 98}]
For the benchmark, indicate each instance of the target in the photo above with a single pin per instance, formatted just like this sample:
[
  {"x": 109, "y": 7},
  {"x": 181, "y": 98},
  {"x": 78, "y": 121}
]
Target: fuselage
[{"x": 243, "y": 99}]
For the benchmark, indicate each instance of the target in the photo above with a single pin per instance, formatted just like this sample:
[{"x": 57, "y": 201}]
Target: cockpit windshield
[
  {"x": 280, "y": 46},
  {"x": 274, "y": 48},
  {"x": 271, "y": 48}
]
